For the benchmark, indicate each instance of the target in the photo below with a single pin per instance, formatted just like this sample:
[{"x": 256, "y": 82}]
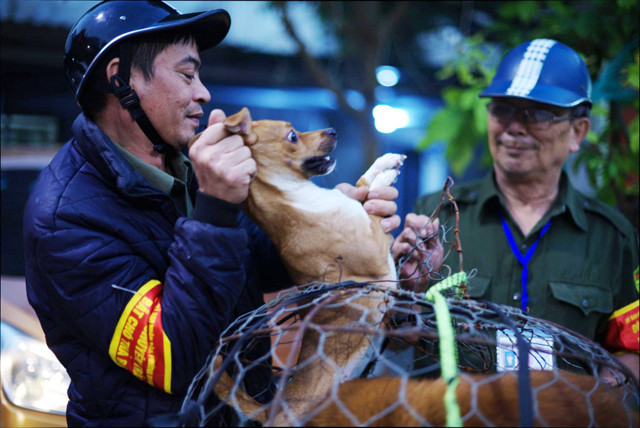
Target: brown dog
[
  {"x": 560, "y": 400},
  {"x": 321, "y": 235}
]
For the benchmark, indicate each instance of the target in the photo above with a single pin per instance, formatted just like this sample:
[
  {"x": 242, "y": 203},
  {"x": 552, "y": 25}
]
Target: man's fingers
[
  {"x": 390, "y": 224},
  {"x": 380, "y": 207},
  {"x": 400, "y": 248},
  {"x": 380, "y": 202},
  {"x": 215, "y": 132},
  {"x": 357, "y": 193},
  {"x": 422, "y": 225},
  {"x": 408, "y": 235},
  {"x": 415, "y": 222},
  {"x": 387, "y": 193},
  {"x": 406, "y": 243},
  {"x": 247, "y": 168},
  {"x": 231, "y": 153},
  {"x": 216, "y": 116},
  {"x": 217, "y": 144}
]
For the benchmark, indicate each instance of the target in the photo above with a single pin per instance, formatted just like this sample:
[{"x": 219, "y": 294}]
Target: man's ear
[
  {"x": 112, "y": 68},
  {"x": 579, "y": 129}
]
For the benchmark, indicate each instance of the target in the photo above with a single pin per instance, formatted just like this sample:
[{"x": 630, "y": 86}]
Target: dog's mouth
[{"x": 319, "y": 165}]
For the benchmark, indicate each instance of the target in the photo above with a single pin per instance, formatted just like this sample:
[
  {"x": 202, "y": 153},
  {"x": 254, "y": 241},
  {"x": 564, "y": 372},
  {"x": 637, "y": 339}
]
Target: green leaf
[
  {"x": 607, "y": 196},
  {"x": 451, "y": 95},
  {"x": 460, "y": 162},
  {"x": 626, "y": 4},
  {"x": 443, "y": 127},
  {"x": 524, "y": 11},
  {"x": 559, "y": 8},
  {"x": 467, "y": 99},
  {"x": 461, "y": 147},
  {"x": 592, "y": 137},
  {"x": 633, "y": 76},
  {"x": 634, "y": 133},
  {"x": 480, "y": 117}
]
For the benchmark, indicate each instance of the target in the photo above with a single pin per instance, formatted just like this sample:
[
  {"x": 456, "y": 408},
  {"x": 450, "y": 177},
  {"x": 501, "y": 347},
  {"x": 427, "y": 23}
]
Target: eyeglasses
[{"x": 534, "y": 119}]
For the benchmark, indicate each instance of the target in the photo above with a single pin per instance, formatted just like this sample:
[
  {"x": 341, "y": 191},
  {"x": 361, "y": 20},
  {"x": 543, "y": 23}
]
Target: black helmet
[
  {"x": 112, "y": 22},
  {"x": 110, "y": 25}
]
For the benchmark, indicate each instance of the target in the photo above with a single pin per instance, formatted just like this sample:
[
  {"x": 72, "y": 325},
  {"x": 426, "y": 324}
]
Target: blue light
[
  {"x": 388, "y": 119},
  {"x": 387, "y": 75}
]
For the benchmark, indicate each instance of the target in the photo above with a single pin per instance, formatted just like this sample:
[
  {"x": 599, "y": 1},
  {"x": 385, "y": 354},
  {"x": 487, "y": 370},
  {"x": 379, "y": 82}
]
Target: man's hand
[
  {"x": 222, "y": 163},
  {"x": 380, "y": 202},
  {"x": 424, "y": 253}
]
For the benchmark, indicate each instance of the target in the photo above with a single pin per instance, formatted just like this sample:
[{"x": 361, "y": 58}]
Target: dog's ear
[{"x": 240, "y": 123}]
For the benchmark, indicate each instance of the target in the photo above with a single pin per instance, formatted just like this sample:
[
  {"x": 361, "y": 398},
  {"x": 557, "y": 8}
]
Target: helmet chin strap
[{"x": 130, "y": 100}]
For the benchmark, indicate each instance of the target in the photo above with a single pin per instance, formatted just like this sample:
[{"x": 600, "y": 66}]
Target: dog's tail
[{"x": 236, "y": 397}]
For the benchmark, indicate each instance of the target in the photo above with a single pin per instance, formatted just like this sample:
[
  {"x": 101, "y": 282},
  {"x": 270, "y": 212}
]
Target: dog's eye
[{"x": 292, "y": 136}]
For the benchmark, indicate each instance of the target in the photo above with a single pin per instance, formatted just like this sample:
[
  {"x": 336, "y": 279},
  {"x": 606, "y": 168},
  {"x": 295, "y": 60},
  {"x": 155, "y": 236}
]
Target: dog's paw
[
  {"x": 383, "y": 172},
  {"x": 384, "y": 178},
  {"x": 388, "y": 161}
]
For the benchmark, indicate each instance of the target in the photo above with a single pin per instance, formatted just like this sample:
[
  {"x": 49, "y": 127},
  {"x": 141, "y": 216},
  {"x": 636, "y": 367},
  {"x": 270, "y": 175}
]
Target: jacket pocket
[
  {"x": 478, "y": 286},
  {"x": 588, "y": 298}
]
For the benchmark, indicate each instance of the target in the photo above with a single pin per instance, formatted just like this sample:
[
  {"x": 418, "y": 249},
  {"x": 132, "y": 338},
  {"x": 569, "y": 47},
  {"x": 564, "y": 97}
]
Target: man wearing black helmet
[
  {"x": 536, "y": 242},
  {"x": 134, "y": 268}
]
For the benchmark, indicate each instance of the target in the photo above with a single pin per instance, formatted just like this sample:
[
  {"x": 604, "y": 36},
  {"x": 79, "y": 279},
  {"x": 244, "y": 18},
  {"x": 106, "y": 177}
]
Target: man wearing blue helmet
[
  {"x": 137, "y": 258},
  {"x": 536, "y": 242}
]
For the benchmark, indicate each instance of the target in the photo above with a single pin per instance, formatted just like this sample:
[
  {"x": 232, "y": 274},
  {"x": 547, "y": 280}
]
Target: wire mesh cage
[
  {"x": 373, "y": 354},
  {"x": 567, "y": 386}
]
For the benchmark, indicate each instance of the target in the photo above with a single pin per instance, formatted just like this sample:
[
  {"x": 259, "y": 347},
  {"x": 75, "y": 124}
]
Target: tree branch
[
  {"x": 315, "y": 67},
  {"x": 387, "y": 26}
]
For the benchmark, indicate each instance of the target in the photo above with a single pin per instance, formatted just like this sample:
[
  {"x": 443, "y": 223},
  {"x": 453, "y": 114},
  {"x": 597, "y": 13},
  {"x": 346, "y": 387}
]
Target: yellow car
[{"x": 34, "y": 383}]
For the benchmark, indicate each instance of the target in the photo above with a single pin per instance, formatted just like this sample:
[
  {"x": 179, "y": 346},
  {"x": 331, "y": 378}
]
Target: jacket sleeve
[
  {"x": 269, "y": 265},
  {"x": 159, "y": 325},
  {"x": 621, "y": 334}
]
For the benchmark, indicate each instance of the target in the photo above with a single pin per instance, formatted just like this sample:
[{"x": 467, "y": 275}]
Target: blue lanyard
[{"x": 524, "y": 260}]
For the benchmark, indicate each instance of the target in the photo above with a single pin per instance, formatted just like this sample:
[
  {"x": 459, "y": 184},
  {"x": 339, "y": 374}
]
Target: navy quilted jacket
[{"x": 93, "y": 227}]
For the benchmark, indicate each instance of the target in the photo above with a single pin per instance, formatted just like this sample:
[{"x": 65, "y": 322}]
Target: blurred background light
[
  {"x": 388, "y": 119},
  {"x": 355, "y": 99},
  {"x": 387, "y": 75}
]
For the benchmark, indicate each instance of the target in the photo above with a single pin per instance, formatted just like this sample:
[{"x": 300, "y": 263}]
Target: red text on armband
[
  {"x": 139, "y": 343},
  {"x": 622, "y": 330}
]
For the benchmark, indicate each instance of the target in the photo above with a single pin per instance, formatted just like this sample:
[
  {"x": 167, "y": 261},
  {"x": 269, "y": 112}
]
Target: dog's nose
[{"x": 331, "y": 133}]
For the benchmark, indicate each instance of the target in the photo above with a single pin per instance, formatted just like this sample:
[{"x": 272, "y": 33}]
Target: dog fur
[
  {"x": 562, "y": 400},
  {"x": 322, "y": 235}
]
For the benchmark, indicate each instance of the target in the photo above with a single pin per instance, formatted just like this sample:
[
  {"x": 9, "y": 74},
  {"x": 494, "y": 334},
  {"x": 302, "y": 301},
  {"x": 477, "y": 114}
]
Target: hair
[
  {"x": 581, "y": 110},
  {"x": 144, "y": 51}
]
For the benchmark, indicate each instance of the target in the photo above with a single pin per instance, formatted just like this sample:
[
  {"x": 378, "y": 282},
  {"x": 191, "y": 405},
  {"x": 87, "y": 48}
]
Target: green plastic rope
[{"x": 448, "y": 351}]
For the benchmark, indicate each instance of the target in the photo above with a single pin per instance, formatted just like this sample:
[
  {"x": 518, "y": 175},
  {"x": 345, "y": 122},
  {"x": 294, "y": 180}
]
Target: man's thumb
[{"x": 216, "y": 116}]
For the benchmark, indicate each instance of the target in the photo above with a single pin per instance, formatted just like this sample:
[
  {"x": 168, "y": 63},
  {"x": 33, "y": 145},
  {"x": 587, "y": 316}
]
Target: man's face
[
  {"x": 527, "y": 150},
  {"x": 173, "y": 97}
]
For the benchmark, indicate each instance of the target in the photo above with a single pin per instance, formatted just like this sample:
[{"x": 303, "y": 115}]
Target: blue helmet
[{"x": 545, "y": 71}]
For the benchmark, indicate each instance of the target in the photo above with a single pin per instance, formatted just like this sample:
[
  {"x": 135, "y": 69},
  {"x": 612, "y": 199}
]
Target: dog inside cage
[{"x": 420, "y": 359}]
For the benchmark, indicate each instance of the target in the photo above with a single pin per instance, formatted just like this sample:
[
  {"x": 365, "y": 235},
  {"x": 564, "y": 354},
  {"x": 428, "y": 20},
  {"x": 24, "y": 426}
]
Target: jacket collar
[
  {"x": 569, "y": 201},
  {"x": 98, "y": 149}
]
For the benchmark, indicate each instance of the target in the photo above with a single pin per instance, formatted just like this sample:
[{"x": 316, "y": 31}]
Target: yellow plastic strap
[{"x": 448, "y": 351}]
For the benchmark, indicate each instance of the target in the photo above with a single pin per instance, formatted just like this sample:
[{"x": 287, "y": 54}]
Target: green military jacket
[{"x": 583, "y": 270}]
